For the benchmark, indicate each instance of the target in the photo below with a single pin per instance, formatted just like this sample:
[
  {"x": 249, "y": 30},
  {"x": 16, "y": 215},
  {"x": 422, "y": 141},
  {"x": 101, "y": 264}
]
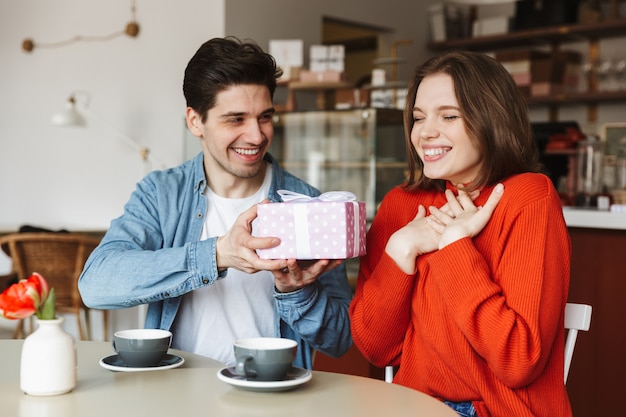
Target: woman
[{"x": 467, "y": 270}]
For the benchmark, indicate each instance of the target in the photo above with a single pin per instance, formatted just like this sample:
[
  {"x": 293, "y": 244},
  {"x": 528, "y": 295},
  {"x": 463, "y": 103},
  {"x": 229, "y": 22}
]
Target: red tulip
[{"x": 27, "y": 297}]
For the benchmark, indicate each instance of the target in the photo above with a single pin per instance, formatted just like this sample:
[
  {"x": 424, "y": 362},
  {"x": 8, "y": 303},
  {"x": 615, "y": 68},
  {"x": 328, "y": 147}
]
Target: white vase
[{"x": 48, "y": 364}]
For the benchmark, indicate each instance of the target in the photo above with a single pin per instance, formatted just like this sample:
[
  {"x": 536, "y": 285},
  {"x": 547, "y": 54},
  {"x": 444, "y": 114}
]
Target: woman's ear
[{"x": 194, "y": 122}]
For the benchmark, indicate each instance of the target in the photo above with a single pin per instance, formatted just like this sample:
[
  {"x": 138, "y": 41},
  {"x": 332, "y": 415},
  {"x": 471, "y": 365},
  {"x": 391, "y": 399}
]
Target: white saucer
[
  {"x": 114, "y": 363},
  {"x": 295, "y": 377}
]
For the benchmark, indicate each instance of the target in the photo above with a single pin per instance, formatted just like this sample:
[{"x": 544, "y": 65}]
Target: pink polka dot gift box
[{"x": 330, "y": 226}]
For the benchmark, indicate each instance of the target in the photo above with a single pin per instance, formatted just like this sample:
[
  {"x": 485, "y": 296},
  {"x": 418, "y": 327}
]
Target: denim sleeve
[
  {"x": 318, "y": 313},
  {"x": 145, "y": 257}
]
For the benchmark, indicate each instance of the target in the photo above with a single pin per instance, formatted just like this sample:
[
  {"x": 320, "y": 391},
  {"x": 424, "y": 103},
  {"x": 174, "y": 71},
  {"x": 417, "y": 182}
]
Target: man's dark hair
[{"x": 224, "y": 62}]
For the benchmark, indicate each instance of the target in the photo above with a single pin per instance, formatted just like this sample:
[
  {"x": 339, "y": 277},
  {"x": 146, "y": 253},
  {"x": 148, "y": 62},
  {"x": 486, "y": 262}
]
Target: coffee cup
[
  {"x": 264, "y": 358},
  {"x": 142, "y": 347}
]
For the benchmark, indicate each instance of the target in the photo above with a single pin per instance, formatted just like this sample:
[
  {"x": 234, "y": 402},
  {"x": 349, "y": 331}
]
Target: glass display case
[{"x": 357, "y": 150}]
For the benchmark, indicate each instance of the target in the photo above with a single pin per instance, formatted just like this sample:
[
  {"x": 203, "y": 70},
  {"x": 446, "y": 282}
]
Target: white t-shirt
[{"x": 240, "y": 305}]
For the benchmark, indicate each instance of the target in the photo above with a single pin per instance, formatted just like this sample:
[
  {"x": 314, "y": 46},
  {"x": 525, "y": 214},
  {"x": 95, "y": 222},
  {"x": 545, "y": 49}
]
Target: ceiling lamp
[
  {"x": 69, "y": 117},
  {"x": 131, "y": 29}
]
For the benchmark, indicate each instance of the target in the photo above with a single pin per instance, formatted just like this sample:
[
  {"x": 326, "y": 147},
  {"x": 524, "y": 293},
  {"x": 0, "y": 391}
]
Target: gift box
[
  {"x": 321, "y": 76},
  {"x": 331, "y": 226},
  {"x": 525, "y": 66},
  {"x": 557, "y": 74}
]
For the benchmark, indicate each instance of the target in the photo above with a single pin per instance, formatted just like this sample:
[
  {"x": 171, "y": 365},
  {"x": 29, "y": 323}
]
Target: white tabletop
[{"x": 194, "y": 389}]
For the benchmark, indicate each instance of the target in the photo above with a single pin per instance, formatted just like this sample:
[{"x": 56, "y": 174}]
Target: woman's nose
[{"x": 428, "y": 130}]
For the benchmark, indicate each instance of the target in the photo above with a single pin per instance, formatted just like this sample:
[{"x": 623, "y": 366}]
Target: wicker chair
[{"x": 60, "y": 258}]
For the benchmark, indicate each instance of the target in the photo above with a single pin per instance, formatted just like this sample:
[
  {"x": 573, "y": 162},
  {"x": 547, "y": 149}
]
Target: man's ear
[{"x": 194, "y": 122}]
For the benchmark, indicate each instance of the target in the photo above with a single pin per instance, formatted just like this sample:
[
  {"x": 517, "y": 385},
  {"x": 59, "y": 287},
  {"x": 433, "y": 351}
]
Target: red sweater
[{"x": 482, "y": 319}]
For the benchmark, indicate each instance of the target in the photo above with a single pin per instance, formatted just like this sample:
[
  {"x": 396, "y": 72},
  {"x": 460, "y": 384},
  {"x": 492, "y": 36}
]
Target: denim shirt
[{"x": 151, "y": 255}]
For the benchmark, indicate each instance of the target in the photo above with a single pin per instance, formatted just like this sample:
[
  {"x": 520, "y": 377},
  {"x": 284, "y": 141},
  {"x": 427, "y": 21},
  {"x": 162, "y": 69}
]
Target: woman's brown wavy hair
[{"x": 494, "y": 112}]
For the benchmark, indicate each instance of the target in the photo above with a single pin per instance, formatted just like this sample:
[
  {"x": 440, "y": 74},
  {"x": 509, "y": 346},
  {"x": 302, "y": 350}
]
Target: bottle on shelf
[{"x": 589, "y": 182}]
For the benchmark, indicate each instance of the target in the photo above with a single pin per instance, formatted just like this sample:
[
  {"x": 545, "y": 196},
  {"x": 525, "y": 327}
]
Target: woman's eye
[{"x": 450, "y": 117}]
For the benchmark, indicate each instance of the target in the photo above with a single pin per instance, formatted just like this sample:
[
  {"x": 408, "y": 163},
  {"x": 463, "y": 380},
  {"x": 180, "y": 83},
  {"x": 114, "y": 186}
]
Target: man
[{"x": 184, "y": 243}]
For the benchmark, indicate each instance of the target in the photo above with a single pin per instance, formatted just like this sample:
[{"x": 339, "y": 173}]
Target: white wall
[{"x": 80, "y": 178}]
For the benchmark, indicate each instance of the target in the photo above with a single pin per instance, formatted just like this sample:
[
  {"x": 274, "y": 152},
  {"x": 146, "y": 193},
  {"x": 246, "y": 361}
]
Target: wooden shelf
[
  {"x": 578, "y": 98},
  {"x": 566, "y": 152},
  {"x": 319, "y": 86},
  {"x": 536, "y": 37},
  {"x": 389, "y": 61},
  {"x": 387, "y": 85},
  {"x": 324, "y": 91}
]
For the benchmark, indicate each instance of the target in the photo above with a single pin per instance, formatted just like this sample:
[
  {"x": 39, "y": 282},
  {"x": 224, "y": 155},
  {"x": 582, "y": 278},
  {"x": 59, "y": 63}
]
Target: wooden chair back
[{"x": 60, "y": 258}]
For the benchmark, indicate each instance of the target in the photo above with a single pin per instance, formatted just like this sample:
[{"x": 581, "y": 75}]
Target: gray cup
[
  {"x": 142, "y": 347},
  {"x": 264, "y": 358}
]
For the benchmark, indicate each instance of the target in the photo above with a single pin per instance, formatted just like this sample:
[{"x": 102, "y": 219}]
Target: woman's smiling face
[{"x": 439, "y": 135}]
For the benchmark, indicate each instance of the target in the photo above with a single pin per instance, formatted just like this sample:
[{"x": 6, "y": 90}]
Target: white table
[{"x": 194, "y": 389}]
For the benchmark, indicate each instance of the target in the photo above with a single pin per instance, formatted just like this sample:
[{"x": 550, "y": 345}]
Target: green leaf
[{"x": 47, "y": 310}]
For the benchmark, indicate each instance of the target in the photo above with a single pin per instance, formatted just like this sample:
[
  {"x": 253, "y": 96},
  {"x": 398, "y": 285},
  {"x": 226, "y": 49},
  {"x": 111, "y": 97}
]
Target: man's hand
[
  {"x": 237, "y": 248},
  {"x": 297, "y": 274}
]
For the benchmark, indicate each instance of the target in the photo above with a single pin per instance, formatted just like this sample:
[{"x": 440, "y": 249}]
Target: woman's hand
[
  {"x": 414, "y": 239},
  {"x": 418, "y": 236},
  {"x": 466, "y": 219}
]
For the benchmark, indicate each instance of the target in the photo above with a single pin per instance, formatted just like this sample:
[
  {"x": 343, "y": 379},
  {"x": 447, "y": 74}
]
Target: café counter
[
  {"x": 598, "y": 278},
  {"x": 594, "y": 219}
]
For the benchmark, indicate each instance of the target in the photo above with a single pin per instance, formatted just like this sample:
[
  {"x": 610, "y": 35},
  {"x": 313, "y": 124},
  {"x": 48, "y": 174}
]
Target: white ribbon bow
[{"x": 338, "y": 196}]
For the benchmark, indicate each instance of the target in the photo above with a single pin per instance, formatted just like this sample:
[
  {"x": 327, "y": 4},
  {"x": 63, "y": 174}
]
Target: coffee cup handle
[
  {"x": 113, "y": 344},
  {"x": 242, "y": 366}
]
